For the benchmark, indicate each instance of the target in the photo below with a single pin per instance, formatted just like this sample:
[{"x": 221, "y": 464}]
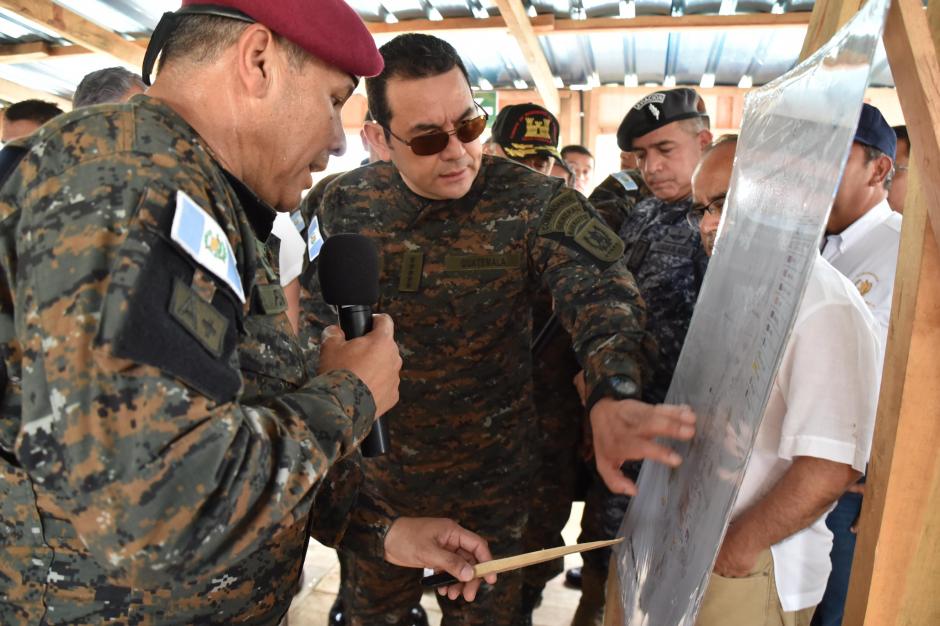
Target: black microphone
[{"x": 349, "y": 279}]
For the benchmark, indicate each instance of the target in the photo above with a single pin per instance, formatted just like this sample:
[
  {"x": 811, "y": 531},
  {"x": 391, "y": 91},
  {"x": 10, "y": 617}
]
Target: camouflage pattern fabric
[
  {"x": 558, "y": 465},
  {"x": 617, "y": 195},
  {"x": 459, "y": 278},
  {"x": 666, "y": 256},
  {"x": 162, "y": 442}
]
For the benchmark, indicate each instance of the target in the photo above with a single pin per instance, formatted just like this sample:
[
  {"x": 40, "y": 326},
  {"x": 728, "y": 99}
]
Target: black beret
[{"x": 655, "y": 111}]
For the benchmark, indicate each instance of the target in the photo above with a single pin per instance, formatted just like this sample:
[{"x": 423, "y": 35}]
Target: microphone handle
[{"x": 356, "y": 321}]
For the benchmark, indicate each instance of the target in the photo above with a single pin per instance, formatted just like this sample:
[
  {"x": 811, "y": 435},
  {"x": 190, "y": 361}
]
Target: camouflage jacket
[
  {"x": 161, "y": 439},
  {"x": 617, "y": 195},
  {"x": 459, "y": 279},
  {"x": 666, "y": 257}
]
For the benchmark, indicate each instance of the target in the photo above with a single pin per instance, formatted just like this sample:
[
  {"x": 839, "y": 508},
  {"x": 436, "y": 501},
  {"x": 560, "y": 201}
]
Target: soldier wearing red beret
[{"x": 162, "y": 435}]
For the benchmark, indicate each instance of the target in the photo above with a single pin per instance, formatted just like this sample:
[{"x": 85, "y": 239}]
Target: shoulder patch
[
  {"x": 297, "y": 218},
  {"x": 314, "y": 239},
  {"x": 199, "y": 318},
  {"x": 205, "y": 241},
  {"x": 565, "y": 207},
  {"x": 625, "y": 181},
  {"x": 600, "y": 241}
]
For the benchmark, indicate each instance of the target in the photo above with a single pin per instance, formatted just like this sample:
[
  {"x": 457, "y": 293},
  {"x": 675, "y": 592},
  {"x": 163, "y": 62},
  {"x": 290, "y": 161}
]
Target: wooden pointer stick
[{"x": 498, "y": 566}]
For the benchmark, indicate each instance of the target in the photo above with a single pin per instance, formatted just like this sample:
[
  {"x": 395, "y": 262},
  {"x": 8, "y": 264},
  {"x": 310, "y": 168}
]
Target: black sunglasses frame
[{"x": 446, "y": 134}]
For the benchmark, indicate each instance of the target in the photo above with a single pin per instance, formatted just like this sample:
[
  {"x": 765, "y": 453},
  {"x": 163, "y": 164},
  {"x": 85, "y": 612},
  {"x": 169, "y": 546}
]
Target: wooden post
[{"x": 893, "y": 580}]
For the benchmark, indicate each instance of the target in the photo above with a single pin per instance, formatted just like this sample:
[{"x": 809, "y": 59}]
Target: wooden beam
[
  {"x": 912, "y": 54},
  {"x": 518, "y": 23},
  {"x": 76, "y": 28},
  {"x": 828, "y": 17},
  {"x": 547, "y": 25},
  {"x": 681, "y": 23},
  {"x": 902, "y": 501},
  {"x": 14, "y": 92},
  {"x": 542, "y": 24}
]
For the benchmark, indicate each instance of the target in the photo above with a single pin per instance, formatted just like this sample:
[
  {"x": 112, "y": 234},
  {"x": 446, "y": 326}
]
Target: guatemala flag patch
[
  {"x": 314, "y": 239},
  {"x": 205, "y": 241}
]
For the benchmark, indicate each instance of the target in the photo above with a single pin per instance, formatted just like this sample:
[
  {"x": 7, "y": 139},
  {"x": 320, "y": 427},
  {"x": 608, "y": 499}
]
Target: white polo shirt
[
  {"x": 822, "y": 405},
  {"x": 867, "y": 254}
]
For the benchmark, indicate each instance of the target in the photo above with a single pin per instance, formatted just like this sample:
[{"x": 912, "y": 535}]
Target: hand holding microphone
[{"x": 349, "y": 275}]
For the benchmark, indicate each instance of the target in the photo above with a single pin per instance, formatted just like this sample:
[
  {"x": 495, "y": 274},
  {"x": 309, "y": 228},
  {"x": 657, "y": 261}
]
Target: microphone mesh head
[{"x": 349, "y": 270}]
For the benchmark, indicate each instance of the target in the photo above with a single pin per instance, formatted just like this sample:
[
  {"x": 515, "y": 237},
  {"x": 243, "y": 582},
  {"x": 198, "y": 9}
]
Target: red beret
[{"x": 328, "y": 29}]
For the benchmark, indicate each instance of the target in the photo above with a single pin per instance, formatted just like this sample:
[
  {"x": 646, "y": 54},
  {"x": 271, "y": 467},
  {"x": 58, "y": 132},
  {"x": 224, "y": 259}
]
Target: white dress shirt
[
  {"x": 291, "y": 256},
  {"x": 867, "y": 254},
  {"x": 822, "y": 405}
]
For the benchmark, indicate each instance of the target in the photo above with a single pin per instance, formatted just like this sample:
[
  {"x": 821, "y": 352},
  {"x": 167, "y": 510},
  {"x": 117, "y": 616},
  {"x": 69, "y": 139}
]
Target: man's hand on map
[
  {"x": 625, "y": 430},
  {"x": 736, "y": 558}
]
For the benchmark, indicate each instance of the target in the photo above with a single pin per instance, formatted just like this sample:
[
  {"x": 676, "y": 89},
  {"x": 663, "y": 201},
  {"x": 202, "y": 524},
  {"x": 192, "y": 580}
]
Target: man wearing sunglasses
[
  {"x": 466, "y": 241},
  {"x": 813, "y": 442},
  {"x": 162, "y": 435}
]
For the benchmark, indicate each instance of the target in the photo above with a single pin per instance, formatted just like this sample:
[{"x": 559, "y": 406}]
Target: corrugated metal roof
[{"x": 493, "y": 58}]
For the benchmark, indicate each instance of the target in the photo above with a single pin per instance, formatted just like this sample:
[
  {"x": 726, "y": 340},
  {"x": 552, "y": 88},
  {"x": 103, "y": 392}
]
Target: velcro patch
[
  {"x": 198, "y": 317},
  {"x": 412, "y": 263},
  {"x": 271, "y": 298},
  {"x": 598, "y": 240},
  {"x": 481, "y": 262}
]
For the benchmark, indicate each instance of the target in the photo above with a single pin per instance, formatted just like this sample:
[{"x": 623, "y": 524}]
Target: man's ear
[
  {"x": 882, "y": 167},
  {"x": 704, "y": 138},
  {"x": 375, "y": 135},
  {"x": 255, "y": 57}
]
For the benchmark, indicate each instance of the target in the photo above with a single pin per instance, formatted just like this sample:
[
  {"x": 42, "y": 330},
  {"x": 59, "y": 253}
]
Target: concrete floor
[{"x": 321, "y": 583}]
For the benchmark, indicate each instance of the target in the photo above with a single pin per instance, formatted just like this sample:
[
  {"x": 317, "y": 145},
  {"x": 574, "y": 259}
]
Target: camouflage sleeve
[
  {"x": 578, "y": 258},
  {"x": 616, "y": 196},
  {"x": 131, "y": 421}
]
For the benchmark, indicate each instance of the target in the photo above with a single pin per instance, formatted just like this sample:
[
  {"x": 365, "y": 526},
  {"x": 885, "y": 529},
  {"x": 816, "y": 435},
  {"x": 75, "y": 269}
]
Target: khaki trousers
[{"x": 748, "y": 601}]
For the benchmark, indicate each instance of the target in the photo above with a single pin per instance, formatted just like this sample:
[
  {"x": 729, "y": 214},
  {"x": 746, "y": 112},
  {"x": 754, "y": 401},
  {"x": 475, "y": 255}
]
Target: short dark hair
[
  {"x": 901, "y": 133},
  {"x": 38, "y": 111},
  {"x": 202, "y": 38},
  {"x": 412, "y": 55},
  {"x": 107, "y": 85},
  {"x": 575, "y": 149}
]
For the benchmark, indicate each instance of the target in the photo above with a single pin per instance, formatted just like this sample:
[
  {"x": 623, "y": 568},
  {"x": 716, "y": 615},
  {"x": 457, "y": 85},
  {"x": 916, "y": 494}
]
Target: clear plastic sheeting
[{"x": 794, "y": 142}]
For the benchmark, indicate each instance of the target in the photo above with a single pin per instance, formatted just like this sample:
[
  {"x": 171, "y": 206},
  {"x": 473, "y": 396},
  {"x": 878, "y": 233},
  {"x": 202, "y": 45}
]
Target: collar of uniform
[
  {"x": 426, "y": 205},
  {"x": 860, "y": 227},
  {"x": 260, "y": 214}
]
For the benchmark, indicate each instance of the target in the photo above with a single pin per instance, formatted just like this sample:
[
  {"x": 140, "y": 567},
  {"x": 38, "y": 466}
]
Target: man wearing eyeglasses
[
  {"x": 162, "y": 435},
  {"x": 667, "y": 132},
  {"x": 466, "y": 241},
  {"x": 813, "y": 442}
]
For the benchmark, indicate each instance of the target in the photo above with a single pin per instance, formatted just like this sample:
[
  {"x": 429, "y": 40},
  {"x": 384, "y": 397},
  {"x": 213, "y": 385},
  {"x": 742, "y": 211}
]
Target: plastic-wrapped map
[{"x": 794, "y": 142}]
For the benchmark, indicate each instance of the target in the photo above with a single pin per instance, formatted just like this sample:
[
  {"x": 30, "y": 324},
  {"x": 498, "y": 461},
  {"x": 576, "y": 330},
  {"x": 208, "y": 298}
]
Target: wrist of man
[{"x": 616, "y": 387}]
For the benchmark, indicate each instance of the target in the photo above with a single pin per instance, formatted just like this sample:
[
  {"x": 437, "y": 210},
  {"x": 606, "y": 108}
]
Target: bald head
[{"x": 710, "y": 184}]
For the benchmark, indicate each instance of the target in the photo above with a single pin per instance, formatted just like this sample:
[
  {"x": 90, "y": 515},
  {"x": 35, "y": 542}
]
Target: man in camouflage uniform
[
  {"x": 465, "y": 242},
  {"x": 668, "y": 131},
  {"x": 161, "y": 437}
]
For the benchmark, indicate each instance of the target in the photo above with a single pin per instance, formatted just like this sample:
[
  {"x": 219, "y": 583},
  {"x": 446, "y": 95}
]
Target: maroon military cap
[{"x": 328, "y": 29}]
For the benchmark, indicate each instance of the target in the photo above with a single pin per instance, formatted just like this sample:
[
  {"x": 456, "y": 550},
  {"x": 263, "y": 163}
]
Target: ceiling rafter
[
  {"x": 517, "y": 20},
  {"x": 72, "y": 26}
]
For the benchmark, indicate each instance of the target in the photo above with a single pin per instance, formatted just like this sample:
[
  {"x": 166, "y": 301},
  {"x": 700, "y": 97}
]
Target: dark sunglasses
[
  {"x": 698, "y": 211},
  {"x": 435, "y": 141}
]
